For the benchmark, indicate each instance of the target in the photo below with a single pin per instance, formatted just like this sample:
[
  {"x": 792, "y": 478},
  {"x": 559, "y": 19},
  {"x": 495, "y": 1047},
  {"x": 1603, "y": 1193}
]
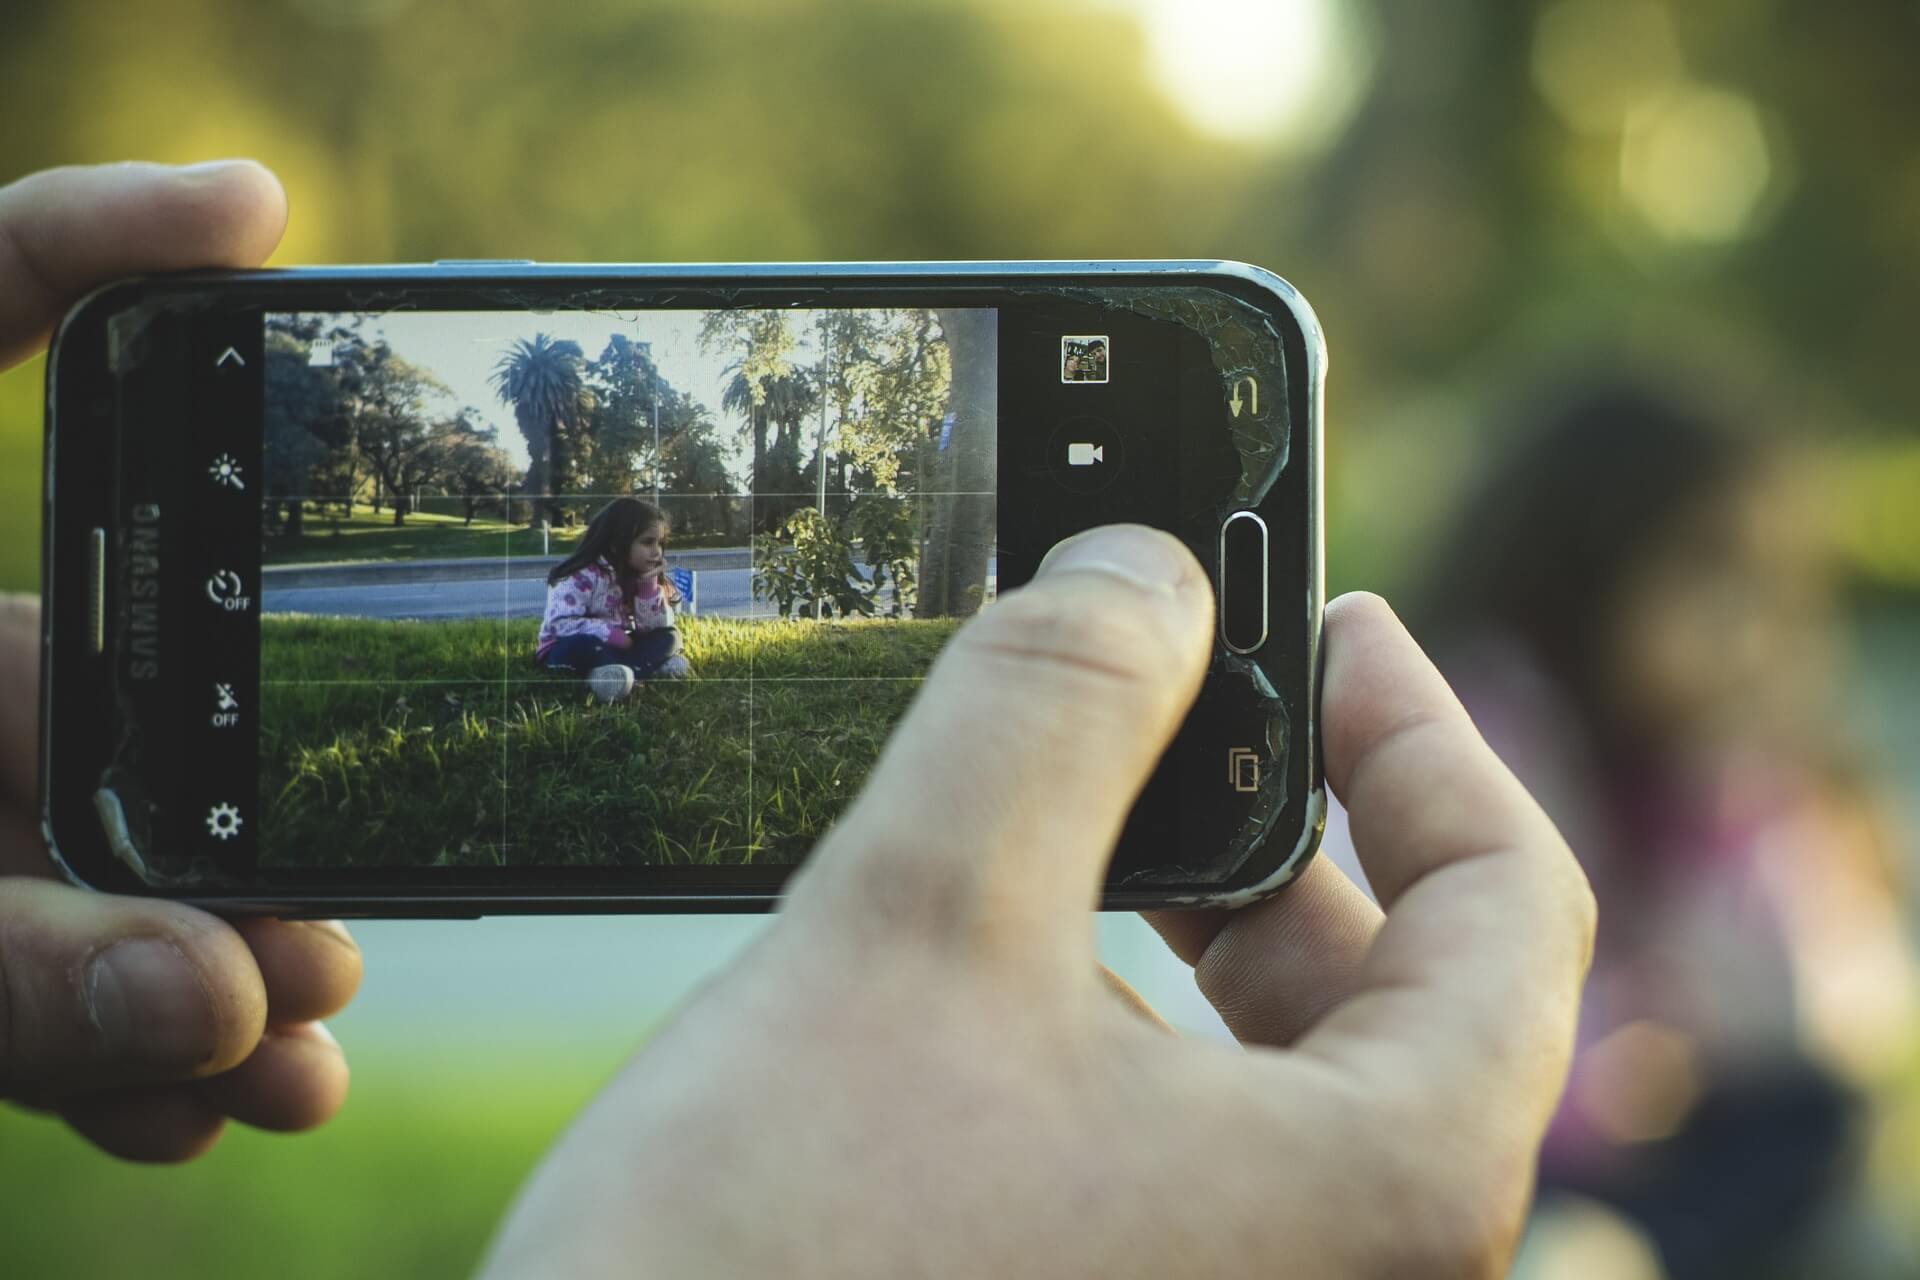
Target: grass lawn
[
  {"x": 425, "y": 536},
  {"x": 439, "y": 743},
  {"x": 411, "y": 1179}
]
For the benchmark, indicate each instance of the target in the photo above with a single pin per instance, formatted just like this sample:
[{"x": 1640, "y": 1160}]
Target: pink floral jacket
[{"x": 592, "y": 602}]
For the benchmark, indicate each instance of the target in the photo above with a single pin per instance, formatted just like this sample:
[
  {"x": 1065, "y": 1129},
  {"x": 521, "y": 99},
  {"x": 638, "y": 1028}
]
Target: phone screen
[
  {"x": 637, "y": 588},
  {"x": 627, "y": 589}
]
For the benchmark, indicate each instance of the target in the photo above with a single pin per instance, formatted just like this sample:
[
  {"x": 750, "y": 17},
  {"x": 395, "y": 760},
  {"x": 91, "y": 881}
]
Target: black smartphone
[{"x": 488, "y": 587}]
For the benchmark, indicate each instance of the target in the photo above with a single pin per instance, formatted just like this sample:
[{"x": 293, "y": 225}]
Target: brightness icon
[{"x": 226, "y": 470}]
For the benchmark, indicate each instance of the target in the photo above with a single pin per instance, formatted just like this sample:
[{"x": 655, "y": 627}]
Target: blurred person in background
[{"x": 1638, "y": 612}]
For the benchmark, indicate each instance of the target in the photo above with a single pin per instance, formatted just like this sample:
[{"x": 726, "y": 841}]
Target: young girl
[{"x": 609, "y": 604}]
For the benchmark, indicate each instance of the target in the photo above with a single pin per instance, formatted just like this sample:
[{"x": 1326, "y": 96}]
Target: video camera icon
[{"x": 1085, "y": 454}]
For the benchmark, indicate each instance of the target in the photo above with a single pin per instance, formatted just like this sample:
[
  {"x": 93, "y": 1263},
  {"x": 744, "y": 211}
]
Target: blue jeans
[{"x": 581, "y": 654}]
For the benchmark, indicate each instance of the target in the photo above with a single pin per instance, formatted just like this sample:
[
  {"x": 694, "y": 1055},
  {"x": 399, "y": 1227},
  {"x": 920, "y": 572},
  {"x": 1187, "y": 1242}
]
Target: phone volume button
[{"x": 97, "y": 591}]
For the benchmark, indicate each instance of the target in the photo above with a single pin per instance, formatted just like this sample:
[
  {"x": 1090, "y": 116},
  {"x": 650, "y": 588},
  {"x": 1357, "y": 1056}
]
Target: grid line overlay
[
  {"x": 746, "y": 830},
  {"x": 506, "y": 674},
  {"x": 453, "y": 578},
  {"x": 507, "y": 681}
]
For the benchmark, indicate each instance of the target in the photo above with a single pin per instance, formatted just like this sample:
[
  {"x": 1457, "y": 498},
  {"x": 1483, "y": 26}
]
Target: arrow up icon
[{"x": 230, "y": 354}]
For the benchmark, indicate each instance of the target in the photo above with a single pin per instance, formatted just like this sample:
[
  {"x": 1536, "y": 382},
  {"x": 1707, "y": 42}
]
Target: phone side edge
[{"x": 1315, "y": 812}]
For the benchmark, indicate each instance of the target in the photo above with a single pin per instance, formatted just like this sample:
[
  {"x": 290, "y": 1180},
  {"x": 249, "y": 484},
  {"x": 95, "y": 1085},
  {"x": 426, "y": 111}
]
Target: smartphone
[{"x": 491, "y": 586}]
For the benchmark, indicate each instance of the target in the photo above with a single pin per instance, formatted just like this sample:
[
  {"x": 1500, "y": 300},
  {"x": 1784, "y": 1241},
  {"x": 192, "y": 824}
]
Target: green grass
[
  {"x": 439, "y": 743},
  {"x": 410, "y": 1179},
  {"x": 371, "y": 536}
]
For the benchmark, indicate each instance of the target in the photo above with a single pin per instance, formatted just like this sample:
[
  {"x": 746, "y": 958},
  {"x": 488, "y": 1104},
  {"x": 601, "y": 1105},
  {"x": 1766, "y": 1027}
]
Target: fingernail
[
  {"x": 211, "y": 166},
  {"x": 334, "y": 930},
  {"x": 147, "y": 1001},
  {"x": 1134, "y": 551}
]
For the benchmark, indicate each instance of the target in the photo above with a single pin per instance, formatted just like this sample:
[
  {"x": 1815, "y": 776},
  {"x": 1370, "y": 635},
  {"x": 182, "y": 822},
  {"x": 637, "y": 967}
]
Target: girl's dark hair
[
  {"x": 1546, "y": 542},
  {"x": 610, "y": 535}
]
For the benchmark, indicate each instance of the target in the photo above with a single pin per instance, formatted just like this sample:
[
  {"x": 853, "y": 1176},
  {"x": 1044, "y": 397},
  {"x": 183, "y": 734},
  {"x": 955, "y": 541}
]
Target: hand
[
  {"x": 146, "y": 1024},
  {"x": 920, "y": 1071}
]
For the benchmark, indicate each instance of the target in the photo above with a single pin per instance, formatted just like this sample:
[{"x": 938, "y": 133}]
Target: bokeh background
[{"x": 1723, "y": 194}]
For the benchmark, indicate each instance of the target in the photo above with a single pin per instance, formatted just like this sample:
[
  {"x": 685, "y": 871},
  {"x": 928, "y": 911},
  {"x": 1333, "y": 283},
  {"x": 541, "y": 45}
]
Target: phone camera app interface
[{"x": 607, "y": 589}]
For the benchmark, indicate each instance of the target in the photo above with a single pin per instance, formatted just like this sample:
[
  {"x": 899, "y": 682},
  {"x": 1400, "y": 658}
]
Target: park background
[{"x": 1468, "y": 193}]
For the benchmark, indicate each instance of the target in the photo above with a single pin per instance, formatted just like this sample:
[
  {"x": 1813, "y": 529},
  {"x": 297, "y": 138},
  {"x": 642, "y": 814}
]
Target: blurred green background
[{"x": 1471, "y": 195}]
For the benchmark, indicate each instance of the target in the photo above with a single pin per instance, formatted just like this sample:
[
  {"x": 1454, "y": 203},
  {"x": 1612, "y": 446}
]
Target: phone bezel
[{"x": 1304, "y": 343}]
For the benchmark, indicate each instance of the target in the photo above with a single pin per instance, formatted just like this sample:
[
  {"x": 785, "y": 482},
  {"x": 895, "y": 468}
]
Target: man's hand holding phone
[
  {"x": 145, "y": 1023},
  {"x": 920, "y": 1070}
]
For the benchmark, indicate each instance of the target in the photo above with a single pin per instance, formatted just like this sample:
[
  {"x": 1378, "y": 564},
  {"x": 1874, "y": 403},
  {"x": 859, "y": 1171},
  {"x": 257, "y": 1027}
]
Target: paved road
[
  {"x": 724, "y": 593},
  {"x": 435, "y": 590},
  {"x": 440, "y": 590}
]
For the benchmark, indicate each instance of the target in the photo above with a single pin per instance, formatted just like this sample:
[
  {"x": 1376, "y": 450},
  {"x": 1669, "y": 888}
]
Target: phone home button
[{"x": 1243, "y": 582}]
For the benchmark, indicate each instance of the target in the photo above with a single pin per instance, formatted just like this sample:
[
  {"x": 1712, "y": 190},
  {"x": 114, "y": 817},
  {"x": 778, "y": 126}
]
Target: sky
[{"x": 461, "y": 348}]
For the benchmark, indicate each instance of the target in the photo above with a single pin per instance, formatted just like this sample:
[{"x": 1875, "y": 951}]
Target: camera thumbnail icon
[
  {"x": 1083, "y": 357},
  {"x": 1081, "y": 453}
]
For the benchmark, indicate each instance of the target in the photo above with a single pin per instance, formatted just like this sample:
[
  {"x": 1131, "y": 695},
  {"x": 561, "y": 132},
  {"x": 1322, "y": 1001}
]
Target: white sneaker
[
  {"x": 611, "y": 682},
  {"x": 674, "y": 668}
]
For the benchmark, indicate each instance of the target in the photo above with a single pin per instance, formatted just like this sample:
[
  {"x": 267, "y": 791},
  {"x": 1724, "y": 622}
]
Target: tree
[
  {"x": 963, "y": 467},
  {"x": 695, "y": 461},
  {"x": 541, "y": 381},
  {"x": 772, "y": 395},
  {"x": 300, "y": 423},
  {"x": 475, "y": 466},
  {"x": 394, "y": 433},
  {"x": 913, "y": 398},
  {"x": 888, "y": 375},
  {"x": 628, "y": 393}
]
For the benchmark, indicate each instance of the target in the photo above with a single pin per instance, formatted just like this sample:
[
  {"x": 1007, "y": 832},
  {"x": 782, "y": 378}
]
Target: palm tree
[
  {"x": 540, "y": 381},
  {"x": 782, "y": 405}
]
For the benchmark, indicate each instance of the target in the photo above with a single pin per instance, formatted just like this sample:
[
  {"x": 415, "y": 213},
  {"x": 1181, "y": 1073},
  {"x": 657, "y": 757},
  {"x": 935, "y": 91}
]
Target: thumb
[
  {"x": 65, "y": 230},
  {"x": 99, "y": 991},
  {"x": 995, "y": 807}
]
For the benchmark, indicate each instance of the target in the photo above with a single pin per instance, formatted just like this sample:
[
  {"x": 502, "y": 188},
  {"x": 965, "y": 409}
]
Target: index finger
[
  {"x": 63, "y": 231},
  {"x": 1475, "y": 975}
]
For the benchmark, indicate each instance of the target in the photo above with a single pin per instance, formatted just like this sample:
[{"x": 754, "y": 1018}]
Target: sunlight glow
[
  {"x": 1270, "y": 71},
  {"x": 1596, "y": 61},
  {"x": 1697, "y": 165}
]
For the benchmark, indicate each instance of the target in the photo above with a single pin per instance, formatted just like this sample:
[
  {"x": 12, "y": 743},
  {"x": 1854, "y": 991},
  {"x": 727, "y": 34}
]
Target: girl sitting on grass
[{"x": 610, "y": 606}]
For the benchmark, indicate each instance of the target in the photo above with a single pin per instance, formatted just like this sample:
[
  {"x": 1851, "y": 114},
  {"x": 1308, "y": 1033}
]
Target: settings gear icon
[{"x": 223, "y": 820}]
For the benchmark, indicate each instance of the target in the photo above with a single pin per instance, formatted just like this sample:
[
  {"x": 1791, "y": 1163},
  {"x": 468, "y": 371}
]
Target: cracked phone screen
[{"x": 642, "y": 582}]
